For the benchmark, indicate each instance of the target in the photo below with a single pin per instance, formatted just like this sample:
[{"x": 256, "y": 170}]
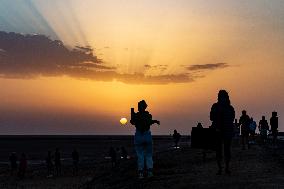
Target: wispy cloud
[
  {"x": 161, "y": 67},
  {"x": 200, "y": 67}
]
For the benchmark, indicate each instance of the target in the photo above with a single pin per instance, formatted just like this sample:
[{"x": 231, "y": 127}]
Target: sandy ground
[{"x": 258, "y": 167}]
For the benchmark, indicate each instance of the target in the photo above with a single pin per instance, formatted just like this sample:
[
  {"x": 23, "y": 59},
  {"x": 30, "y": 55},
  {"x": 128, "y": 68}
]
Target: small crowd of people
[
  {"x": 224, "y": 124},
  {"x": 52, "y": 161},
  {"x": 248, "y": 127}
]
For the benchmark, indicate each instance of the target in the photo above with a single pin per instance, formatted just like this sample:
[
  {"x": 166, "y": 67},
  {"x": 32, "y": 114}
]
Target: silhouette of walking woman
[
  {"x": 143, "y": 139},
  {"x": 222, "y": 116}
]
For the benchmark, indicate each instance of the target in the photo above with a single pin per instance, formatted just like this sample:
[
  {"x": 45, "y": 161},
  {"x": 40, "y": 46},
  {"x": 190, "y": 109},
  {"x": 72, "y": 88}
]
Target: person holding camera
[{"x": 143, "y": 138}]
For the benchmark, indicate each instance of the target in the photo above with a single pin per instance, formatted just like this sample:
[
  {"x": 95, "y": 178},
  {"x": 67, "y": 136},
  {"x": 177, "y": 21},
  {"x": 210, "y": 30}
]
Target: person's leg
[
  {"x": 227, "y": 152},
  {"x": 139, "y": 148},
  {"x": 149, "y": 154},
  {"x": 219, "y": 145}
]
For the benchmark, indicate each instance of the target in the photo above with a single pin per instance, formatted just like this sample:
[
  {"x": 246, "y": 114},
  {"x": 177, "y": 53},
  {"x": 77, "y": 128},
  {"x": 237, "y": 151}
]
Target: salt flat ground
[{"x": 259, "y": 167}]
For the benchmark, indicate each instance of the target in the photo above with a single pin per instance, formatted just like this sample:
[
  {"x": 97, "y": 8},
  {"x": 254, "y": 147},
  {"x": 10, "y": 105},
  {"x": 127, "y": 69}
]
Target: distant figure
[
  {"x": 112, "y": 154},
  {"x": 13, "y": 163},
  {"x": 143, "y": 139},
  {"x": 274, "y": 127},
  {"x": 176, "y": 137},
  {"x": 23, "y": 166},
  {"x": 49, "y": 164},
  {"x": 244, "y": 122},
  {"x": 263, "y": 127},
  {"x": 57, "y": 162},
  {"x": 199, "y": 125},
  {"x": 252, "y": 128},
  {"x": 75, "y": 158},
  {"x": 124, "y": 153},
  {"x": 222, "y": 116}
]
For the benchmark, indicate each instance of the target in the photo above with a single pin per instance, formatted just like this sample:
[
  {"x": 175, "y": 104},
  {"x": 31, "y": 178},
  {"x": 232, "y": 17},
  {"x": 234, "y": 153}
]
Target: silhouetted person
[
  {"x": 176, "y": 137},
  {"x": 22, "y": 166},
  {"x": 124, "y": 153},
  {"x": 113, "y": 156},
  {"x": 75, "y": 158},
  {"x": 143, "y": 139},
  {"x": 244, "y": 122},
  {"x": 252, "y": 128},
  {"x": 49, "y": 164},
  {"x": 263, "y": 127},
  {"x": 57, "y": 162},
  {"x": 199, "y": 125},
  {"x": 274, "y": 126},
  {"x": 13, "y": 163},
  {"x": 222, "y": 116}
]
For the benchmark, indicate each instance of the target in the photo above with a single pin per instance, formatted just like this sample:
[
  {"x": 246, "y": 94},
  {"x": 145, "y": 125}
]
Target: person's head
[
  {"x": 244, "y": 112},
  {"x": 199, "y": 124},
  {"x": 274, "y": 114},
  {"x": 175, "y": 131},
  {"x": 142, "y": 106},
  {"x": 263, "y": 117},
  {"x": 223, "y": 97}
]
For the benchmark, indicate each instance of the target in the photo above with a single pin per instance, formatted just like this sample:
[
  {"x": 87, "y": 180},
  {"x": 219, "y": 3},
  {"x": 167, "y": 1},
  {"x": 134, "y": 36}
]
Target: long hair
[{"x": 223, "y": 97}]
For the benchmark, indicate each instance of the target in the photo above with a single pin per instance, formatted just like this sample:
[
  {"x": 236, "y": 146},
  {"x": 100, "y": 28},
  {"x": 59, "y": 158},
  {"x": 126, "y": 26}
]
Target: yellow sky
[{"x": 248, "y": 36}]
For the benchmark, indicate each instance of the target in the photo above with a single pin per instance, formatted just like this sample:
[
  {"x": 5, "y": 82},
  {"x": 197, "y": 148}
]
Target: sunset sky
[{"x": 77, "y": 67}]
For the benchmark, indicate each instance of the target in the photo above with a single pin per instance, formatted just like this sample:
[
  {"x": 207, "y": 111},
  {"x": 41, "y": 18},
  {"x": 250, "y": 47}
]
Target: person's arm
[{"x": 155, "y": 121}]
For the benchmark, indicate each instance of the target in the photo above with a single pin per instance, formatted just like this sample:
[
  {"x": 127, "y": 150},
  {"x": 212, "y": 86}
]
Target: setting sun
[{"x": 123, "y": 121}]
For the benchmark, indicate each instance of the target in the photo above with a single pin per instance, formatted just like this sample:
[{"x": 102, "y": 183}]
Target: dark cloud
[
  {"x": 31, "y": 56},
  {"x": 147, "y": 66},
  {"x": 161, "y": 67},
  {"x": 200, "y": 67}
]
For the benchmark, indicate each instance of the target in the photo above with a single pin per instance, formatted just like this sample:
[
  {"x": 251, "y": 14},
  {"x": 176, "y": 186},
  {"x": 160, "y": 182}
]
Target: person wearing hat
[{"x": 143, "y": 138}]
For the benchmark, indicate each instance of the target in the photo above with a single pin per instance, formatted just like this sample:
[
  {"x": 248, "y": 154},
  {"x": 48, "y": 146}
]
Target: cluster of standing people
[
  {"x": 248, "y": 127},
  {"x": 222, "y": 115},
  {"x": 53, "y": 163}
]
